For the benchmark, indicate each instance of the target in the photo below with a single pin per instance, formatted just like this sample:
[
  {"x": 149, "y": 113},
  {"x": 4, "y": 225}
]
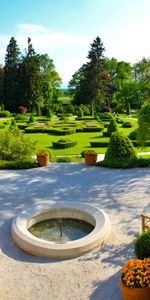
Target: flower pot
[
  {"x": 43, "y": 159},
  {"x": 90, "y": 159},
  {"x": 134, "y": 293}
]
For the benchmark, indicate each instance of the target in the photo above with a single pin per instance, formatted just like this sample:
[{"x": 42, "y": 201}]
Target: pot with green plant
[
  {"x": 135, "y": 279},
  {"x": 43, "y": 158},
  {"x": 90, "y": 157}
]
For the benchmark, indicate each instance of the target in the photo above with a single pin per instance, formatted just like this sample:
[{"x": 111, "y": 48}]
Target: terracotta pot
[
  {"x": 134, "y": 293},
  {"x": 42, "y": 159},
  {"x": 90, "y": 159}
]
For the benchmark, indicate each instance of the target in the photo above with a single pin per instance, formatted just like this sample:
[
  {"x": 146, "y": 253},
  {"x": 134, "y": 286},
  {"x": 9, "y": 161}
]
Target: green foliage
[
  {"x": 144, "y": 123},
  {"x": 4, "y": 114},
  {"x": 120, "y": 152},
  {"x": 80, "y": 112},
  {"x": 112, "y": 127},
  {"x": 21, "y": 117},
  {"x": 64, "y": 143},
  {"x": 99, "y": 144},
  {"x": 142, "y": 245},
  {"x": 49, "y": 114},
  {"x": 13, "y": 146},
  {"x": 64, "y": 131},
  {"x": 17, "y": 164},
  {"x": 134, "y": 134},
  {"x": 127, "y": 125},
  {"x": 64, "y": 159},
  {"x": 144, "y": 161},
  {"x": 13, "y": 124},
  {"x": 105, "y": 116},
  {"x": 31, "y": 118}
]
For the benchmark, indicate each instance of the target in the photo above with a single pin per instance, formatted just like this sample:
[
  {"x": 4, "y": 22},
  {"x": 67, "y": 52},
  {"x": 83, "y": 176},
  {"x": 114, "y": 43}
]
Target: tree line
[
  {"x": 108, "y": 82},
  {"x": 30, "y": 79},
  {"x": 27, "y": 79}
]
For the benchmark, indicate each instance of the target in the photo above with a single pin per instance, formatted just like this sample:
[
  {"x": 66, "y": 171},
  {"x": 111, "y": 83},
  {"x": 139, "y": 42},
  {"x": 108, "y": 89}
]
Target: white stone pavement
[{"x": 123, "y": 194}]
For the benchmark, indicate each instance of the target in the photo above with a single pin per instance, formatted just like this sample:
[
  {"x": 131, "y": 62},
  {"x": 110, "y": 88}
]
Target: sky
[{"x": 64, "y": 29}]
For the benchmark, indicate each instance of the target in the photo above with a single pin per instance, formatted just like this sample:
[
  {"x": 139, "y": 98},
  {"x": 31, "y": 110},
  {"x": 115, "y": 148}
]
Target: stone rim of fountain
[{"x": 39, "y": 247}]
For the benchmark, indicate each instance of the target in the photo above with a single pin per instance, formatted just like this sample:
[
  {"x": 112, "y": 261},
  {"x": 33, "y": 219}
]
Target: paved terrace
[{"x": 123, "y": 194}]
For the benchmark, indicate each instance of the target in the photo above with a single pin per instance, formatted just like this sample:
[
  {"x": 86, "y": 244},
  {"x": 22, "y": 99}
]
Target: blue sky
[{"x": 65, "y": 28}]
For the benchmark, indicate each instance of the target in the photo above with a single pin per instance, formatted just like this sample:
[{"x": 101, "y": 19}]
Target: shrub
[
  {"x": 112, "y": 127},
  {"x": 99, "y": 144},
  {"x": 63, "y": 159},
  {"x": 105, "y": 116},
  {"x": 18, "y": 164},
  {"x": 49, "y": 114},
  {"x": 127, "y": 125},
  {"x": 93, "y": 128},
  {"x": 80, "y": 112},
  {"x": 13, "y": 146},
  {"x": 142, "y": 245},
  {"x": 4, "y": 114},
  {"x": 38, "y": 130},
  {"x": 31, "y": 119},
  {"x": 133, "y": 134},
  {"x": 120, "y": 152},
  {"x": 64, "y": 131},
  {"x": 64, "y": 143},
  {"x": 20, "y": 117},
  {"x": 13, "y": 124},
  {"x": 143, "y": 162}
]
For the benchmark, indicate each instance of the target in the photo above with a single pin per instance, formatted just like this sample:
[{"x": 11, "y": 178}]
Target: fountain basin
[{"x": 79, "y": 211}]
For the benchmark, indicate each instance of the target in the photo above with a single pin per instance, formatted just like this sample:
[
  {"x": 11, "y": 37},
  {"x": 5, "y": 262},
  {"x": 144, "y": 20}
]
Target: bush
[
  {"x": 80, "y": 112},
  {"x": 31, "y": 119},
  {"x": 142, "y": 245},
  {"x": 38, "y": 130},
  {"x": 63, "y": 159},
  {"x": 64, "y": 143},
  {"x": 99, "y": 144},
  {"x": 105, "y": 116},
  {"x": 106, "y": 109},
  {"x": 49, "y": 114},
  {"x": 143, "y": 162},
  {"x": 13, "y": 146},
  {"x": 4, "y": 114},
  {"x": 133, "y": 134},
  {"x": 64, "y": 131},
  {"x": 20, "y": 117},
  {"x": 18, "y": 164},
  {"x": 120, "y": 152},
  {"x": 112, "y": 127},
  {"x": 127, "y": 125},
  {"x": 92, "y": 129}
]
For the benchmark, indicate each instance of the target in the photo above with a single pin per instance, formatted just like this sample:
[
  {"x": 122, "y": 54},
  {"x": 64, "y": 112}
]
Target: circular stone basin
[
  {"x": 61, "y": 230},
  {"x": 95, "y": 219}
]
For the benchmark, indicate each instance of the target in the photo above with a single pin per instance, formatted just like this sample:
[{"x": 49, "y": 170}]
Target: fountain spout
[{"x": 60, "y": 226}]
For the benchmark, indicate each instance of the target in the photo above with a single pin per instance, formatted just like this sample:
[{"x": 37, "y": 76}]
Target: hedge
[
  {"x": 99, "y": 144},
  {"x": 127, "y": 125},
  {"x": 38, "y": 130},
  {"x": 4, "y": 114},
  {"x": 64, "y": 131},
  {"x": 92, "y": 129},
  {"x": 62, "y": 144}
]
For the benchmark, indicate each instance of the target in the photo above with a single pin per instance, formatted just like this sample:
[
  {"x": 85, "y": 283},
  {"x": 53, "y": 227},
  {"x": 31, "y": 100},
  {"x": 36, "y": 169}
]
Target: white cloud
[{"x": 65, "y": 49}]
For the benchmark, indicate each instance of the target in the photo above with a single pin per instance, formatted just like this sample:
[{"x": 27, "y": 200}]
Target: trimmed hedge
[
  {"x": 85, "y": 118},
  {"x": 4, "y": 114},
  {"x": 105, "y": 116},
  {"x": 64, "y": 131},
  {"x": 62, "y": 144},
  {"x": 127, "y": 125},
  {"x": 120, "y": 152},
  {"x": 92, "y": 129},
  {"x": 16, "y": 165},
  {"x": 38, "y": 130},
  {"x": 133, "y": 134},
  {"x": 99, "y": 144}
]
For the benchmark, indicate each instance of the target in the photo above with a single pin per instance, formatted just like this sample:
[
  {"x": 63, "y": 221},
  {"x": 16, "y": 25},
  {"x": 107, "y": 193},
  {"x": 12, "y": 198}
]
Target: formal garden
[{"x": 104, "y": 110}]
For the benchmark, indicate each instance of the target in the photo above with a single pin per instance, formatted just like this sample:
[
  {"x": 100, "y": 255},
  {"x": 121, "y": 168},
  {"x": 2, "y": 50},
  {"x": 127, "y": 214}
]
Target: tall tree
[
  {"x": 92, "y": 80},
  {"x": 30, "y": 80},
  {"x": 10, "y": 83}
]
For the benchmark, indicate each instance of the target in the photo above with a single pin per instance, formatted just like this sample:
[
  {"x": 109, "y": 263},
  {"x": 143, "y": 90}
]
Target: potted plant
[
  {"x": 135, "y": 279},
  {"x": 42, "y": 158},
  {"x": 90, "y": 157}
]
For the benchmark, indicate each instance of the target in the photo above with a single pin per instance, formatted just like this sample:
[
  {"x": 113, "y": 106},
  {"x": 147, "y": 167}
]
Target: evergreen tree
[
  {"x": 10, "y": 82},
  {"x": 30, "y": 80}
]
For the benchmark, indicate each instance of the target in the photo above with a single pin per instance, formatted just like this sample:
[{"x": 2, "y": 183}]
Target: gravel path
[{"x": 124, "y": 194}]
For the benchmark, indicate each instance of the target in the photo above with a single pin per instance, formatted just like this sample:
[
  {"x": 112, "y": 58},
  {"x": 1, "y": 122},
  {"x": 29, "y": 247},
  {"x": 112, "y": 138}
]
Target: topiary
[
  {"x": 112, "y": 127},
  {"x": 49, "y": 113},
  {"x": 133, "y": 134},
  {"x": 142, "y": 245},
  {"x": 120, "y": 152},
  {"x": 80, "y": 112},
  {"x": 31, "y": 119}
]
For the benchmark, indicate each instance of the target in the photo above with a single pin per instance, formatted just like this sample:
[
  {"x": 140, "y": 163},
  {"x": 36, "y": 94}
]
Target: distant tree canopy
[
  {"x": 103, "y": 81},
  {"x": 27, "y": 79}
]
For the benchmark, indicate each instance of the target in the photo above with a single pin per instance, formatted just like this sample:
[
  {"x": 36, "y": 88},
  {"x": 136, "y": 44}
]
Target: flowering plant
[{"x": 136, "y": 273}]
